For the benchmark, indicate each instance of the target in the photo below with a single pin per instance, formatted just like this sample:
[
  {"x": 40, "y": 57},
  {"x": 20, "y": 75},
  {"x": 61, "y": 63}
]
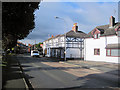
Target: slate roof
[
  {"x": 78, "y": 34},
  {"x": 105, "y": 30},
  {"x": 52, "y": 37}
]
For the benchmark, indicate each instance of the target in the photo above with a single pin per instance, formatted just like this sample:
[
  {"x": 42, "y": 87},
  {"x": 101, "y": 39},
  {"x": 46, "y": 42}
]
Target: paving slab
[{"x": 12, "y": 75}]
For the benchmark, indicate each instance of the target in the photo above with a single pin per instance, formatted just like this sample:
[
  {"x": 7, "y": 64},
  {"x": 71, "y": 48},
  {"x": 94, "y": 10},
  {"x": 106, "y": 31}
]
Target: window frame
[
  {"x": 110, "y": 52},
  {"x": 118, "y": 33},
  {"x": 97, "y": 36},
  {"x": 107, "y": 52},
  {"x": 98, "y": 53}
]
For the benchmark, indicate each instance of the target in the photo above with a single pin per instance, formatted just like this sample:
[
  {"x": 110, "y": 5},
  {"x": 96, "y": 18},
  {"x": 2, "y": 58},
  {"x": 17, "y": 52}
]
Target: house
[
  {"x": 72, "y": 42},
  {"x": 21, "y": 48},
  {"x": 103, "y": 43}
]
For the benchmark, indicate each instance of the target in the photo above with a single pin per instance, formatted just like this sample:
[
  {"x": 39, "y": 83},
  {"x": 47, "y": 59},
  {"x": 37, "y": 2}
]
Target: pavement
[{"x": 12, "y": 76}]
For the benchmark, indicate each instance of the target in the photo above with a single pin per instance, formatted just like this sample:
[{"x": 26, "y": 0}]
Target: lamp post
[{"x": 65, "y": 34}]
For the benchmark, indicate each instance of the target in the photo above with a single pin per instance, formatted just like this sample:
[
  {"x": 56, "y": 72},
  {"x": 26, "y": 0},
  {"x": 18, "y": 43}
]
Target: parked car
[{"x": 34, "y": 53}]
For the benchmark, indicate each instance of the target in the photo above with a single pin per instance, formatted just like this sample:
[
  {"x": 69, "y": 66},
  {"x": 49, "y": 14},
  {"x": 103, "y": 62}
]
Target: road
[{"x": 43, "y": 73}]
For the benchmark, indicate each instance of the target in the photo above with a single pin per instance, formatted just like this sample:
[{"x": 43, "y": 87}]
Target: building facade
[
  {"x": 70, "y": 44},
  {"x": 103, "y": 43}
]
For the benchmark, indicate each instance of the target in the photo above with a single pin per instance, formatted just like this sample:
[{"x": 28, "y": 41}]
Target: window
[
  {"x": 113, "y": 52},
  {"x": 96, "y": 51},
  {"x": 96, "y": 36},
  {"x": 118, "y": 33},
  {"x": 108, "y": 52}
]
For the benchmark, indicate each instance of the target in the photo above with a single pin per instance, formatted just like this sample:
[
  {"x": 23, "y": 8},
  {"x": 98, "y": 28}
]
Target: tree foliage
[
  {"x": 17, "y": 21},
  {"x": 38, "y": 45}
]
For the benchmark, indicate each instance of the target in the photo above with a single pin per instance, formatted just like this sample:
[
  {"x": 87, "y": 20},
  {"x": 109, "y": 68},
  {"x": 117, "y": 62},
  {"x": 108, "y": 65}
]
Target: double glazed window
[
  {"x": 113, "y": 52},
  {"x": 96, "y": 51}
]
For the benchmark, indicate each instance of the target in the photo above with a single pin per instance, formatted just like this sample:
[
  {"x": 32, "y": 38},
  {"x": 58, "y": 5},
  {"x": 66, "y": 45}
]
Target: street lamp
[{"x": 65, "y": 32}]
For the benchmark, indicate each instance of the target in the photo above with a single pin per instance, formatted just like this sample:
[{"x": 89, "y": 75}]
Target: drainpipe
[{"x": 84, "y": 49}]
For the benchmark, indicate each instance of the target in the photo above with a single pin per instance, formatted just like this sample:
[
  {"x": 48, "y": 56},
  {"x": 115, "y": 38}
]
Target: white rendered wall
[{"x": 91, "y": 44}]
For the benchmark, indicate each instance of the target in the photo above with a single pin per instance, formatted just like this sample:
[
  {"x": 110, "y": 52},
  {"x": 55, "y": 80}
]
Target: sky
[{"x": 87, "y": 15}]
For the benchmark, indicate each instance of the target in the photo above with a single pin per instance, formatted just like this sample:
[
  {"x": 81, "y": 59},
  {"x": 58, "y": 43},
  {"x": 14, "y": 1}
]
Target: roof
[
  {"x": 78, "y": 34},
  {"x": 113, "y": 46},
  {"x": 105, "y": 30},
  {"x": 52, "y": 37}
]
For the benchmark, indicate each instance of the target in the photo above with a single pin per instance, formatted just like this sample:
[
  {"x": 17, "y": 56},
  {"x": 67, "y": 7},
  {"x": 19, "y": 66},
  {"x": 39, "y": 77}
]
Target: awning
[{"x": 113, "y": 46}]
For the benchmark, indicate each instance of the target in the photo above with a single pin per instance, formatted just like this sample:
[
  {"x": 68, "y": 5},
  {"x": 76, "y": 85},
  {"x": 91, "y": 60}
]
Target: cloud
[
  {"x": 80, "y": 0},
  {"x": 98, "y": 13},
  {"x": 88, "y": 15}
]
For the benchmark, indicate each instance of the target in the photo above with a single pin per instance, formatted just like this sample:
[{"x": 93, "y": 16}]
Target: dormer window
[
  {"x": 118, "y": 33},
  {"x": 96, "y": 33},
  {"x": 96, "y": 36}
]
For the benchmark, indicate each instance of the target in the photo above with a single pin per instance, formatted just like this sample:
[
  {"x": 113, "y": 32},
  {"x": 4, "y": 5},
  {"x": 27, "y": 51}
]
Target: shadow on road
[
  {"x": 100, "y": 80},
  {"x": 108, "y": 80},
  {"x": 50, "y": 68}
]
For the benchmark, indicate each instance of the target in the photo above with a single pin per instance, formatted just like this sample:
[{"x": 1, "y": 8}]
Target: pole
[
  {"x": 34, "y": 45},
  {"x": 65, "y": 34}
]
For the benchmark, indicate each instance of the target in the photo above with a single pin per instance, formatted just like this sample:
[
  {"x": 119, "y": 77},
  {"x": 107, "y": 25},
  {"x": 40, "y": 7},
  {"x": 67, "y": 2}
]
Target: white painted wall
[
  {"x": 59, "y": 42},
  {"x": 91, "y": 43}
]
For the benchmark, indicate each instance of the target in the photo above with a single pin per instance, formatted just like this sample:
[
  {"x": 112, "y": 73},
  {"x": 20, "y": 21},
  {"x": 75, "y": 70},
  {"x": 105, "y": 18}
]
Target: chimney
[
  {"x": 52, "y": 36},
  {"x": 75, "y": 27},
  {"x": 112, "y": 22}
]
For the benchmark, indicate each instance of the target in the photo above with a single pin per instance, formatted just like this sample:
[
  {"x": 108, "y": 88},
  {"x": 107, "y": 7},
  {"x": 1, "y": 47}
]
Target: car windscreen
[{"x": 35, "y": 51}]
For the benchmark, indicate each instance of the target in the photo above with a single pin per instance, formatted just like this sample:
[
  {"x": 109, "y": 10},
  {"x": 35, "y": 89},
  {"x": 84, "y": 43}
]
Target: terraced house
[
  {"x": 103, "y": 43},
  {"x": 71, "y": 43}
]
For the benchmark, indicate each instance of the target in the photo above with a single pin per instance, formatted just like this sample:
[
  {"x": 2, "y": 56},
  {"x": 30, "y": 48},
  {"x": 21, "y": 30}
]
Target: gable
[
  {"x": 95, "y": 31},
  {"x": 117, "y": 28}
]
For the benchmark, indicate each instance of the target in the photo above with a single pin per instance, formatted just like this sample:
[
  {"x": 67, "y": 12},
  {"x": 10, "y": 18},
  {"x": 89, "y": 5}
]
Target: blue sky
[{"x": 88, "y": 15}]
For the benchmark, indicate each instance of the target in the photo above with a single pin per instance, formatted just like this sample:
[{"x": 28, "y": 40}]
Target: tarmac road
[{"x": 47, "y": 74}]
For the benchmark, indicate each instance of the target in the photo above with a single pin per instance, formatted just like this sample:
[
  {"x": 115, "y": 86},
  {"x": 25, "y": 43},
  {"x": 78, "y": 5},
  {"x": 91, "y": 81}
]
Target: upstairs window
[
  {"x": 96, "y": 51},
  {"x": 96, "y": 36},
  {"x": 118, "y": 33}
]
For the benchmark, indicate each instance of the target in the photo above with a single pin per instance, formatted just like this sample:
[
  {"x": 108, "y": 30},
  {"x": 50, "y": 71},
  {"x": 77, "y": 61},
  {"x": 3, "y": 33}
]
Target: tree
[
  {"x": 17, "y": 21},
  {"x": 38, "y": 45}
]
